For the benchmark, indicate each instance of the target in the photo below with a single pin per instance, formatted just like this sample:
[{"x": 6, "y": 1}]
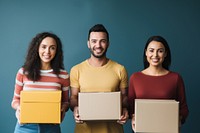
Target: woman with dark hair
[
  {"x": 156, "y": 81},
  {"x": 43, "y": 70},
  {"x": 167, "y": 61}
]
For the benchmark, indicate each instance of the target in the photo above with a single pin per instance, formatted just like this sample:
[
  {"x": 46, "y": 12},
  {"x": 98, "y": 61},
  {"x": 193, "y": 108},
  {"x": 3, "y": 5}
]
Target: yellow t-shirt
[{"x": 108, "y": 78}]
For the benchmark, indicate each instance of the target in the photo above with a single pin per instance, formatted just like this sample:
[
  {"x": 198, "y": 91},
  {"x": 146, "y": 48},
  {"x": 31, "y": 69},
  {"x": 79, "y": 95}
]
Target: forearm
[
  {"x": 124, "y": 102},
  {"x": 65, "y": 106},
  {"x": 65, "y": 100},
  {"x": 124, "y": 115},
  {"x": 74, "y": 98},
  {"x": 73, "y": 102},
  {"x": 124, "y": 98}
]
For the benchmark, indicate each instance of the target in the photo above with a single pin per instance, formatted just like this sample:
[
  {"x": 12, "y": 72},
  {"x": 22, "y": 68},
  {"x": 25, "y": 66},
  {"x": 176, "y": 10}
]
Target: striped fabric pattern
[{"x": 48, "y": 81}]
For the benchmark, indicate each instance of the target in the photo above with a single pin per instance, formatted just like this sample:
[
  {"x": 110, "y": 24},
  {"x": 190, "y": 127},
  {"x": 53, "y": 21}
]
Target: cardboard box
[
  {"x": 40, "y": 107},
  {"x": 100, "y": 106},
  {"x": 156, "y": 116}
]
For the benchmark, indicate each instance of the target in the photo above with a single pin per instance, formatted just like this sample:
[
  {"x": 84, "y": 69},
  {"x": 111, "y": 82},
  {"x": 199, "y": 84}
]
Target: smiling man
[{"x": 98, "y": 74}]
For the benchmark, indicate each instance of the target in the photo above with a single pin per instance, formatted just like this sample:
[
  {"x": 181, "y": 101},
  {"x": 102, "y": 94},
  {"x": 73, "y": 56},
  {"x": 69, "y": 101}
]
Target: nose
[
  {"x": 155, "y": 53},
  {"x": 47, "y": 50},
  {"x": 98, "y": 44}
]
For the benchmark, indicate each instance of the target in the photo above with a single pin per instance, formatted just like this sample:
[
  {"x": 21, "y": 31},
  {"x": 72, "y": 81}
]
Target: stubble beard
[{"x": 98, "y": 56}]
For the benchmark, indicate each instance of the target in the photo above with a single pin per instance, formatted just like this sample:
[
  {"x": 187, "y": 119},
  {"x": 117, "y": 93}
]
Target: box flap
[
  {"x": 156, "y": 101},
  {"x": 40, "y": 96}
]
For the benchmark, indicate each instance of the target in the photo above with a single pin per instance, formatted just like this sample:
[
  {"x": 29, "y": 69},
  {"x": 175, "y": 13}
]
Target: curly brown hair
[{"x": 32, "y": 63}]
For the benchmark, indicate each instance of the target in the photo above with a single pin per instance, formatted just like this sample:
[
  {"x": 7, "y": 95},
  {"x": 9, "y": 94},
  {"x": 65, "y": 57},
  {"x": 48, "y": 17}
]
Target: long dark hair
[
  {"x": 167, "y": 61},
  {"x": 32, "y": 63}
]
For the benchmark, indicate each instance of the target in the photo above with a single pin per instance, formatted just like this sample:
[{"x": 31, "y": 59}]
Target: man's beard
[{"x": 98, "y": 56}]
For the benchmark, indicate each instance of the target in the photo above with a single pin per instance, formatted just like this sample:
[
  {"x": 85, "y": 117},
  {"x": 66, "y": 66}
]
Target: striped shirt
[{"x": 48, "y": 81}]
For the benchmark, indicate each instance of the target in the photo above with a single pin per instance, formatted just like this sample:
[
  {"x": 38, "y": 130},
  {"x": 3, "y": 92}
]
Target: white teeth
[
  {"x": 46, "y": 56},
  {"x": 155, "y": 60},
  {"x": 98, "y": 50}
]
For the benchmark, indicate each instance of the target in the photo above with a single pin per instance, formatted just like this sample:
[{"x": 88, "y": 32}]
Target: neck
[
  {"x": 155, "y": 71},
  {"x": 97, "y": 62},
  {"x": 45, "y": 67}
]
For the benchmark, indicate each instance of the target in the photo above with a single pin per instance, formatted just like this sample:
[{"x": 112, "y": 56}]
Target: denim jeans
[{"x": 37, "y": 128}]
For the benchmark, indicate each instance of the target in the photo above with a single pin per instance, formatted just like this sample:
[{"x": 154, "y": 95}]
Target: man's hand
[
  {"x": 76, "y": 116},
  {"x": 124, "y": 116}
]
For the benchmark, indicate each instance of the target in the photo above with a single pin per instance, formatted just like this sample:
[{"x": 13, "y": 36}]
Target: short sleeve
[
  {"x": 74, "y": 76},
  {"x": 124, "y": 78}
]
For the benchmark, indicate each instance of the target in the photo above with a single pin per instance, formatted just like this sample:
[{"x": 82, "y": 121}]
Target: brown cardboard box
[
  {"x": 40, "y": 107},
  {"x": 100, "y": 106},
  {"x": 156, "y": 116}
]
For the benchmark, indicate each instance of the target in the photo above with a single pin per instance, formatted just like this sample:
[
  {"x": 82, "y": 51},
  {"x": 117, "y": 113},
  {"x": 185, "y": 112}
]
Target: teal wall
[{"x": 129, "y": 22}]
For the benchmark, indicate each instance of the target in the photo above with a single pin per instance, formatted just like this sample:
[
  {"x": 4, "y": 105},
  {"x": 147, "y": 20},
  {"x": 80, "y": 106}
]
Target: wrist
[
  {"x": 75, "y": 107},
  {"x": 17, "y": 107}
]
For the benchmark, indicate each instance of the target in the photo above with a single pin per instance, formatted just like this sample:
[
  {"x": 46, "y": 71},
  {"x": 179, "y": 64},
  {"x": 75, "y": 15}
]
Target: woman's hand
[
  {"x": 62, "y": 113},
  {"x": 64, "y": 109},
  {"x": 133, "y": 122},
  {"x": 124, "y": 116},
  {"x": 17, "y": 114}
]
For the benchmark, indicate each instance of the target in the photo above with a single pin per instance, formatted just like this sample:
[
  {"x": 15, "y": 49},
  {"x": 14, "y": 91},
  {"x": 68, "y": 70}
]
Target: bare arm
[
  {"x": 124, "y": 98},
  {"x": 74, "y": 104},
  {"x": 74, "y": 98},
  {"x": 124, "y": 116}
]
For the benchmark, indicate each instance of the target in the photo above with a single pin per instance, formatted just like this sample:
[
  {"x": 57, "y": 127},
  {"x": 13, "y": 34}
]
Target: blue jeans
[{"x": 37, "y": 128}]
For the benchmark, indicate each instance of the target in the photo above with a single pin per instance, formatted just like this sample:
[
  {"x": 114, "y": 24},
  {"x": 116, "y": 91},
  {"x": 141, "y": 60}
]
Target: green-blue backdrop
[{"x": 129, "y": 22}]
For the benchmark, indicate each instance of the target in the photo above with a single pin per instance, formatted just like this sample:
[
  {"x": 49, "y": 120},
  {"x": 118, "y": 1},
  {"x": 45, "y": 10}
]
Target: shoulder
[
  {"x": 175, "y": 75},
  {"x": 137, "y": 74},
  {"x": 116, "y": 64},
  {"x": 62, "y": 74},
  {"x": 79, "y": 66},
  {"x": 21, "y": 71},
  {"x": 83, "y": 63},
  {"x": 63, "y": 71},
  {"x": 20, "y": 74}
]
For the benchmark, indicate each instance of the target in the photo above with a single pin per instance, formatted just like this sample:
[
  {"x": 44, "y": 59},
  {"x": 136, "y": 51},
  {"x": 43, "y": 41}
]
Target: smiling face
[
  {"x": 155, "y": 54},
  {"x": 98, "y": 44},
  {"x": 47, "y": 51}
]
